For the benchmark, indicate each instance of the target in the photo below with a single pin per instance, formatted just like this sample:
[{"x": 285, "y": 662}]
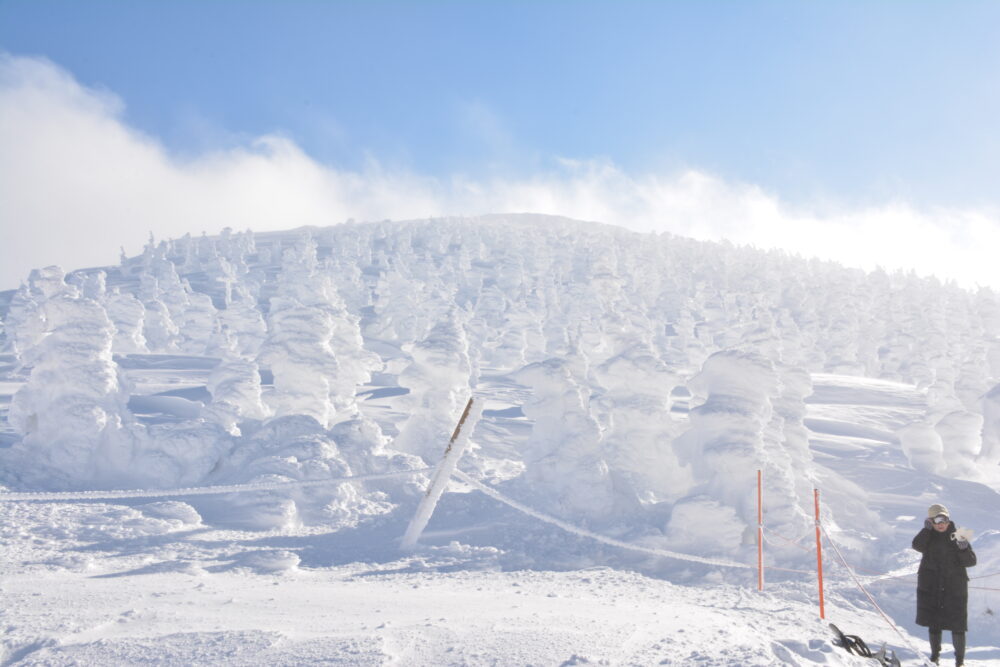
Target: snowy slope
[{"x": 633, "y": 385}]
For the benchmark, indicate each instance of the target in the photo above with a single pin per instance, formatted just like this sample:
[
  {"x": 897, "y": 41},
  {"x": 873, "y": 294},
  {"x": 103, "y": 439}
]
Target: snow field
[{"x": 409, "y": 611}]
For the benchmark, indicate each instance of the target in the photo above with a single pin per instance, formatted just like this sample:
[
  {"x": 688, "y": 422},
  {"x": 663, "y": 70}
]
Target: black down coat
[{"x": 942, "y": 583}]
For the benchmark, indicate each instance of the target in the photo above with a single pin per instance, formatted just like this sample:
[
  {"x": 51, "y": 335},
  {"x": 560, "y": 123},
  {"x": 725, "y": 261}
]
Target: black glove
[
  {"x": 928, "y": 524},
  {"x": 962, "y": 544}
]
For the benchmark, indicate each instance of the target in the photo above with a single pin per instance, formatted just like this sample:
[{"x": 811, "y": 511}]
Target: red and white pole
[
  {"x": 819, "y": 558},
  {"x": 760, "y": 532}
]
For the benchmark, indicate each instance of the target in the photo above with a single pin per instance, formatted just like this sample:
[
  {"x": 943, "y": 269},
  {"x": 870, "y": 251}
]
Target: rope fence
[
  {"x": 793, "y": 543},
  {"x": 875, "y": 576},
  {"x": 63, "y": 496},
  {"x": 568, "y": 527}
]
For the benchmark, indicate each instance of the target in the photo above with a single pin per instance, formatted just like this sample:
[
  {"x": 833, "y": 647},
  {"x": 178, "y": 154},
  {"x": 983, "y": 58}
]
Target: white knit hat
[{"x": 936, "y": 510}]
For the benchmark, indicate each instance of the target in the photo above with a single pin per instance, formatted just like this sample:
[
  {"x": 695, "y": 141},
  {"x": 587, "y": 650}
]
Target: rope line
[
  {"x": 58, "y": 496},
  {"x": 986, "y": 576},
  {"x": 785, "y": 569},
  {"x": 913, "y": 583},
  {"x": 570, "y": 528},
  {"x": 792, "y": 542},
  {"x": 864, "y": 590},
  {"x": 874, "y": 575},
  {"x": 877, "y": 577}
]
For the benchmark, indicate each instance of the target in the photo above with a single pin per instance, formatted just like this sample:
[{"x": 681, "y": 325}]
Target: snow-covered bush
[{"x": 297, "y": 448}]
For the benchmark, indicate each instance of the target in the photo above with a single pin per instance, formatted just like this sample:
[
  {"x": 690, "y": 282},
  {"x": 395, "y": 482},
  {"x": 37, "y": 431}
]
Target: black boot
[
  {"x": 935, "y": 639},
  {"x": 958, "y": 641}
]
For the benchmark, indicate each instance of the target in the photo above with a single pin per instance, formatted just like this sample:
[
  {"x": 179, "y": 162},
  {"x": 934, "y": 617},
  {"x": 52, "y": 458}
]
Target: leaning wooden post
[
  {"x": 439, "y": 480},
  {"x": 760, "y": 533},
  {"x": 819, "y": 557}
]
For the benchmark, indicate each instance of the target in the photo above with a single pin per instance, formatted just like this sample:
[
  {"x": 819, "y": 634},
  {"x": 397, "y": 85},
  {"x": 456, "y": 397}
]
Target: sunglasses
[{"x": 940, "y": 519}]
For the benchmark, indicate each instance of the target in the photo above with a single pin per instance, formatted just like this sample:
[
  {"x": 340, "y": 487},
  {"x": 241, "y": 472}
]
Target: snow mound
[{"x": 270, "y": 561}]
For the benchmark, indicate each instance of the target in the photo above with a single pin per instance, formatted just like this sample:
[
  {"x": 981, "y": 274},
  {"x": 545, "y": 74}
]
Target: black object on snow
[{"x": 855, "y": 645}]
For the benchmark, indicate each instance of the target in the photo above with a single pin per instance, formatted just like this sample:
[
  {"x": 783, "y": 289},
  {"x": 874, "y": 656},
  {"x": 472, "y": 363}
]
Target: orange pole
[
  {"x": 819, "y": 558},
  {"x": 760, "y": 533}
]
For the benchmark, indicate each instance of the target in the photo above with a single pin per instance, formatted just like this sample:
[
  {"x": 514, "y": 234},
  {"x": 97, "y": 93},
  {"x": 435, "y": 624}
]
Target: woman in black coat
[{"x": 942, "y": 582}]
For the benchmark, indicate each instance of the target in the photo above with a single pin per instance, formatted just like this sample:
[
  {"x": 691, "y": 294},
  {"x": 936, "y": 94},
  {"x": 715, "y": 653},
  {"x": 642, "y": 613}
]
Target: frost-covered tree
[
  {"x": 961, "y": 437},
  {"x": 198, "y": 323},
  {"x": 637, "y": 443},
  {"x": 731, "y": 435},
  {"x": 789, "y": 405},
  {"x": 161, "y": 332},
  {"x": 989, "y": 454},
  {"x": 243, "y": 323},
  {"x": 301, "y": 328},
  {"x": 398, "y": 308},
  {"x": 72, "y": 412},
  {"x": 24, "y": 324},
  {"x": 922, "y": 445},
  {"x": 128, "y": 316},
  {"x": 440, "y": 383},
  {"x": 355, "y": 362},
  {"x": 565, "y": 467},
  {"x": 236, "y": 391}
]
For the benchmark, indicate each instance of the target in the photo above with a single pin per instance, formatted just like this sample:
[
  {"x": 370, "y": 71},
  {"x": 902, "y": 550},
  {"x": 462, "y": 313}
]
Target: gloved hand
[
  {"x": 962, "y": 537},
  {"x": 928, "y": 524}
]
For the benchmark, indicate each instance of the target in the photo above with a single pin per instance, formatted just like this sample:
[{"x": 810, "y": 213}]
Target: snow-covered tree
[
  {"x": 72, "y": 412},
  {"x": 298, "y": 349},
  {"x": 637, "y": 443},
  {"x": 565, "y": 467},
  {"x": 732, "y": 434},
  {"x": 440, "y": 383}
]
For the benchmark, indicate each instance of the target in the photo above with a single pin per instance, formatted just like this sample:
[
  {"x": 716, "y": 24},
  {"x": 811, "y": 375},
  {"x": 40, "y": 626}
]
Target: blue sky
[
  {"x": 853, "y": 100},
  {"x": 822, "y": 106}
]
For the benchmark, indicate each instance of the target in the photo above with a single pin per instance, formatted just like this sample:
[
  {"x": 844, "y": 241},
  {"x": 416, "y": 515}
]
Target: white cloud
[{"x": 76, "y": 181}]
